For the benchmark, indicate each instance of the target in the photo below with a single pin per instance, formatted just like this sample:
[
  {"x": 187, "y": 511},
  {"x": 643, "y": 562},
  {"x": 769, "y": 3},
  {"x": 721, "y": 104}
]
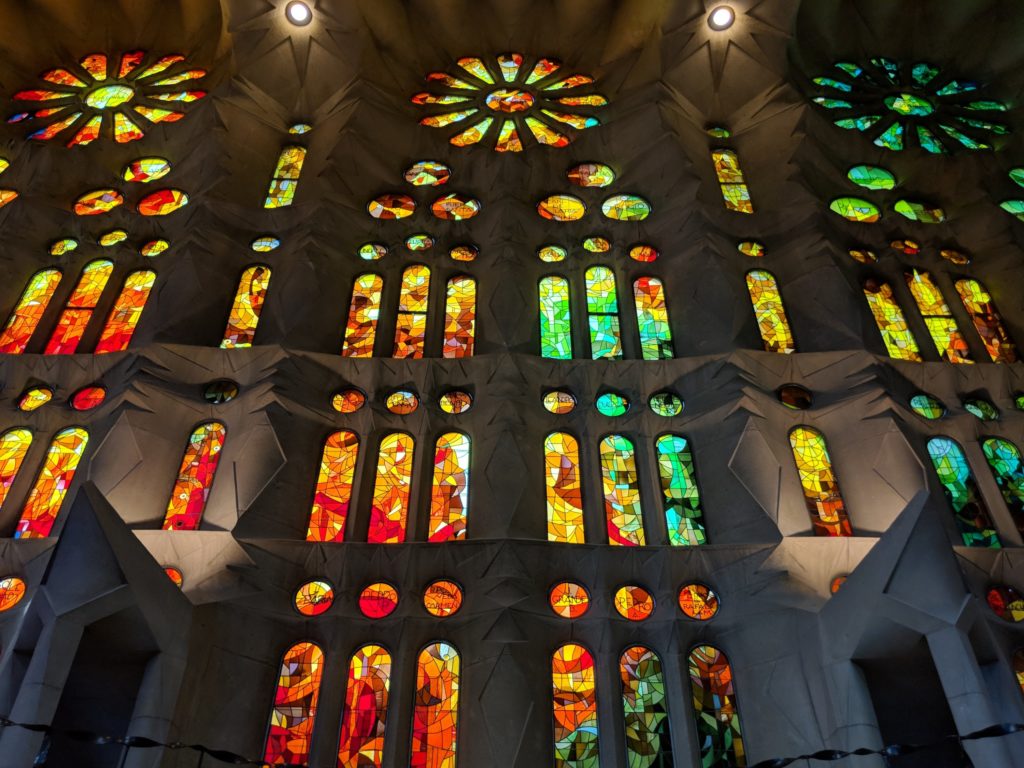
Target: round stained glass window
[
  {"x": 442, "y": 598},
  {"x": 348, "y": 400},
  {"x": 220, "y": 391},
  {"x": 981, "y": 408},
  {"x": 372, "y": 251},
  {"x": 456, "y": 401},
  {"x": 634, "y": 603},
  {"x": 612, "y": 404},
  {"x": 927, "y": 407},
  {"x": 175, "y": 575},
  {"x": 552, "y": 253},
  {"x": 378, "y": 600},
  {"x": 403, "y": 402},
  {"x": 666, "y": 404},
  {"x": 569, "y": 599},
  {"x": 836, "y": 584},
  {"x": 88, "y": 398},
  {"x": 12, "y": 590},
  {"x": 796, "y": 397},
  {"x": 643, "y": 253},
  {"x": 1006, "y": 602},
  {"x": 314, "y": 598},
  {"x": 464, "y": 252},
  {"x": 698, "y": 601},
  {"x": 559, "y": 401},
  {"x": 33, "y": 398}
]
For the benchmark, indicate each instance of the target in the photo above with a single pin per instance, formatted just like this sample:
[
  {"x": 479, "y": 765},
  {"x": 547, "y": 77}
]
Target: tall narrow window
[
  {"x": 730, "y": 177},
  {"x": 47, "y": 495},
  {"x": 555, "y": 320},
  {"x": 364, "y": 721},
  {"x": 435, "y": 717},
  {"x": 575, "y": 707},
  {"x": 969, "y": 510},
  {"x": 987, "y": 321},
  {"x": 621, "y": 492},
  {"x": 644, "y": 705},
  {"x": 334, "y": 487},
  {"x": 286, "y": 177},
  {"x": 390, "y": 510},
  {"x": 125, "y": 314},
  {"x": 564, "y": 494},
  {"x": 29, "y": 311},
  {"x": 949, "y": 342},
  {"x": 896, "y": 334},
  {"x": 821, "y": 489},
  {"x": 363, "y": 313},
  {"x": 460, "y": 317},
  {"x": 715, "y": 710},
  {"x": 411, "y": 325},
  {"x": 683, "y": 514},
  {"x": 449, "y": 493},
  {"x": 79, "y": 309},
  {"x": 14, "y": 444},
  {"x": 195, "y": 477},
  {"x": 1004, "y": 459},
  {"x": 603, "y": 314},
  {"x": 770, "y": 312},
  {"x": 290, "y": 733},
  {"x": 652, "y": 319},
  {"x": 246, "y": 309}
]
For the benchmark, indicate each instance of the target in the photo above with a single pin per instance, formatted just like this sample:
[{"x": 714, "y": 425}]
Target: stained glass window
[
  {"x": 286, "y": 177},
  {"x": 411, "y": 325},
  {"x": 364, "y": 720},
  {"x": 714, "y": 707},
  {"x": 29, "y": 311},
  {"x": 314, "y": 598},
  {"x": 770, "y": 312},
  {"x": 449, "y": 494},
  {"x": 245, "y": 312},
  {"x": 1005, "y": 460},
  {"x": 460, "y": 317},
  {"x": 52, "y": 483},
  {"x": 564, "y": 488},
  {"x": 896, "y": 334},
  {"x": 645, "y": 708},
  {"x": 621, "y": 492},
  {"x": 14, "y": 444},
  {"x": 78, "y": 311},
  {"x": 987, "y": 321},
  {"x": 195, "y": 477},
  {"x": 363, "y": 313},
  {"x": 125, "y": 314},
  {"x": 390, "y": 510},
  {"x": 603, "y": 314},
  {"x": 969, "y": 510},
  {"x": 575, "y": 707},
  {"x": 730, "y": 177},
  {"x": 295, "y": 703},
  {"x": 942, "y": 326},
  {"x": 821, "y": 489},
  {"x": 652, "y": 319},
  {"x": 555, "y": 320},
  {"x": 683, "y": 514},
  {"x": 435, "y": 718},
  {"x": 334, "y": 487}
]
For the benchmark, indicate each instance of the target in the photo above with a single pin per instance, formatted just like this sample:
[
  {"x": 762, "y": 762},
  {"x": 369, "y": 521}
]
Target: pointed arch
[
  {"x": 195, "y": 477},
  {"x": 334, "y": 487},
  {"x": 818, "y": 480},
  {"x": 645, "y": 707},
  {"x": 652, "y": 319},
  {"x": 363, "y": 313},
  {"x": 27, "y": 313},
  {"x": 603, "y": 314},
  {"x": 715, "y": 708},
  {"x": 39, "y": 514},
  {"x": 621, "y": 492},
  {"x": 290, "y": 732},
  {"x": 563, "y": 488},
  {"x": 435, "y": 718},
  {"x": 555, "y": 318},
  {"x": 460, "y": 317},
  {"x": 413, "y": 301},
  {"x": 969, "y": 510},
  {"x": 574, "y": 703},
  {"x": 684, "y": 516},
  {"x": 770, "y": 312},
  {"x": 80, "y": 307},
  {"x": 390, "y": 512},
  {"x": 449, "y": 492},
  {"x": 892, "y": 324},
  {"x": 246, "y": 308},
  {"x": 364, "y": 719},
  {"x": 126, "y": 312}
]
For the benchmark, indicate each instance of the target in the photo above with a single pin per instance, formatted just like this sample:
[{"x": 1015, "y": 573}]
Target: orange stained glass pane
[
  {"x": 245, "y": 312},
  {"x": 390, "y": 510},
  {"x": 334, "y": 487},
  {"x": 987, "y": 321},
  {"x": 714, "y": 708},
  {"x": 44, "y": 500},
  {"x": 442, "y": 598},
  {"x": 79, "y": 309},
  {"x": 770, "y": 312},
  {"x": 363, "y": 313},
  {"x": 435, "y": 717},
  {"x": 364, "y": 720},
  {"x": 460, "y": 317},
  {"x": 29, "y": 311},
  {"x": 821, "y": 489},
  {"x": 195, "y": 477},
  {"x": 730, "y": 178},
  {"x": 449, "y": 493},
  {"x": 411, "y": 325},
  {"x": 575, "y": 707},
  {"x": 569, "y": 599},
  {"x": 633, "y": 602},
  {"x": 286, "y": 177},
  {"x": 125, "y": 314},
  {"x": 295, "y": 703},
  {"x": 564, "y": 488},
  {"x": 14, "y": 444},
  {"x": 698, "y": 601},
  {"x": 621, "y": 492},
  {"x": 12, "y": 590}
]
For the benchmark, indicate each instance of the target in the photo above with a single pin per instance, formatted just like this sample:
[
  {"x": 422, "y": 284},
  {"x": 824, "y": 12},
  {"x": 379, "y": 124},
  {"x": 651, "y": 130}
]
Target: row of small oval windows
[
  {"x": 924, "y": 405},
  {"x": 93, "y": 396}
]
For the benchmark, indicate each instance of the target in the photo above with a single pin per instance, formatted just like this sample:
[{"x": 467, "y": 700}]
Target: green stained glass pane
[
  {"x": 683, "y": 514},
  {"x": 605, "y": 337},
  {"x": 602, "y": 310},
  {"x": 889, "y": 67},
  {"x": 963, "y": 138},
  {"x": 927, "y": 407},
  {"x": 982, "y": 409},
  {"x": 667, "y": 404},
  {"x": 871, "y": 177},
  {"x": 851, "y": 69},
  {"x": 1014, "y": 208},
  {"x": 987, "y": 106},
  {"x": 862, "y": 123},
  {"x": 971, "y": 515},
  {"x": 921, "y": 212},
  {"x": 612, "y": 404},
  {"x": 907, "y": 104},
  {"x": 1018, "y": 402},
  {"x": 955, "y": 87},
  {"x": 997, "y": 128},
  {"x": 644, "y": 705},
  {"x": 923, "y": 73},
  {"x": 856, "y": 209},
  {"x": 555, "y": 323},
  {"x": 892, "y": 138},
  {"x": 828, "y": 82},
  {"x": 1005, "y": 461},
  {"x": 832, "y": 103},
  {"x": 718, "y": 132},
  {"x": 1017, "y": 175},
  {"x": 715, "y": 709},
  {"x": 601, "y": 296},
  {"x": 929, "y": 141},
  {"x": 652, "y": 319}
]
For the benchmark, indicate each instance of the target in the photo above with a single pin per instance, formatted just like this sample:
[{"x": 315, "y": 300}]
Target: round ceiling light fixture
[
  {"x": 298, "y": 13},
  {"x": 721, "y": 18}
]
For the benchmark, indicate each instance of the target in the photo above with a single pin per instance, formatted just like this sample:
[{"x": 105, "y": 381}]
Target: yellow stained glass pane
[
  {"x": 286, "y": 177},
  {"x": 334, "y": 488},
  {"x": 770, "y": 312},
  {"x": 942, "y": 327},
  {"x": 361, "y": 329},
  {"x": 460, "y": 318},
  {"x": 621, "y": 492},
  {"x": 564, "y": 488},
  {"x": 29, "y": 311},
  {"x": 246, "y": 309},
  {"x": 52, "y": 483},
  {"x": 390, "y": 511},
  {"x": 730, "y": 178},
  {"x": 449, "y": 493},
  {"x": 14, "y": 444},
  {"x": 896, "y": 335},
  {"x": 411, "y": 325},
  {"x": 820, "y": 487}
]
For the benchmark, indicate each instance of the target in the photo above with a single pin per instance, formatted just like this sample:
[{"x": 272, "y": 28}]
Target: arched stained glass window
[
  {"x": 460, "y": 317},
  {"x": 435, "y": 717},
  {"x": 564, "y": 488},
  {"x": 126, "y": 312},
  {"x": 1005, "y": 460},
  {"x": 987, "y": 321},
  {"x": 714, "y": 707},
  {"x": 575, "y": 707},
  {"x": 364, "y": 721},
  {"x": 892, "y": 324},
  {"x": 195, "y": 477},
  {"x": 14, "y": 444},
  {"x": 949, "y": 342},
  {"x": 652, "y": 319},
  {"x": 770, "y": 312},
  {"x": 449, "y": 493},
  {"x": 730, "y": 178},
  {"x": 411, "y": 325},
  {"x": 78, "y": 311},
  {"x": 644, "y": 705},
  {"x": 285, "y": 181},
  {"x": 1018, "y": 667},
  {"x": 555, "y": 320},
  {"x": 52, "y": 483},
  {"x": 363, "y": 313},
  {"x": 821, "y": 489},
  {"x": 334, "y": 487},
  {"x": 29, "y": 311},
  {"x": 621, "y": 492},
  {"x": 603, "y": 314},
  {"x": 390, "y": 511},
  {"x": 246, "y": 309},
  {"x": 969, "y": 510},
  {"x": 683, "y": 514},
  {"x": 290, "y": 734}
]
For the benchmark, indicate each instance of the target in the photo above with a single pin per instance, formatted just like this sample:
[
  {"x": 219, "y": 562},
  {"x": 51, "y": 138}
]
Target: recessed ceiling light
[
  {"x": 721, "y": 18},
  {"x": 298, "y": 13}
]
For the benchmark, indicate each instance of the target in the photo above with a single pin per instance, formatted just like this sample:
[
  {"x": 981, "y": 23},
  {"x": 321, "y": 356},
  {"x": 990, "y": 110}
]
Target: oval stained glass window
[
  {"x": 856, "y": 209},
  {"x": 626, "y": 208},
  {"x": 378, "y": 600},
  {"x": 920, "y": 212},
  {"x": 442, "y": 598},
  {"x": 597, "y": 245},
  {"x": 113, "y": 237},
  {"x": 982, "y": 409},
  {"x": 955, "y": 257},
  {"x": 698, "y": 601},
  {"x": 633, "y": 602},
  {"x": 796, "y": 397},
  {"x": 175, "y": 575},
  {"x": 456, "y": 401},
  {"x": 372, "y": 251},
  {"x": 154, "y": 248},
  {"x": 98, "y": 201},
  {"x": 464, "y": 252},
  {"x": 60, "y": 247},
  {"x": 559, "y": 401},
  {"x": 864, "y": 257},
  {"x": 612, "y": 404},
  {"x": 751, "y": 248},
  {"x": 33, "y": 398},
  {"x": 391, "y": 206},
  {"x": 265, "y": 244},
  {"x": 561, "y": 208},
  {"x": 1018, "y": 401},
  {"x": 645, "y": 254},
  {"x": 314, "y": 598},
  {"x": 552, "y": 253},
  {"x": 591, "y": 175},
  {"x": 220, "y": 391},
  {"x": 455, "y": 207},
  {"x": 146, "y": 169},
  {"x": 927, "y": 407},
  {"x": 666, "y": 404},
  {"x": 836, "y": 584},
  {"x": 88, "y": 398},
  {"x": 428, "y": 173},
  {"x": 569, "y": 599},
  {"x": 162, "y": 202},
  {"x": 419, "y": 242},
  {"x": 348, "y": 400},
  {"x": 403, "y": 402},
  {"x": 871, "y": 177},
  {"x": 1006, "y": 603},
  {"x": 12, "y": 590}
]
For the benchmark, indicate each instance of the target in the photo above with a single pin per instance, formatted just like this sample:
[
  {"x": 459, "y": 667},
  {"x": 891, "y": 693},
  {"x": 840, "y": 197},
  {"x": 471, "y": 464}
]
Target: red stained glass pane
[
  {"x": 88, "y": 398},
  {"x": 378, "y": 600},
  {"x": 364, "y": 721},
  {"x": 126, "y": 312},
  {"x": 574, "y": 694},
  {"x": 449, "y": 493},
  {"x": 334, "y": 488},
  {"x": 295, "y": 705},
  {"x": 195, "y": 478},
  {"x": 391, "y": 490},
  {"x": 55, "y": 477},
  {"x": 435, "y": 718},
  {"x": 29, "y": 311}
]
